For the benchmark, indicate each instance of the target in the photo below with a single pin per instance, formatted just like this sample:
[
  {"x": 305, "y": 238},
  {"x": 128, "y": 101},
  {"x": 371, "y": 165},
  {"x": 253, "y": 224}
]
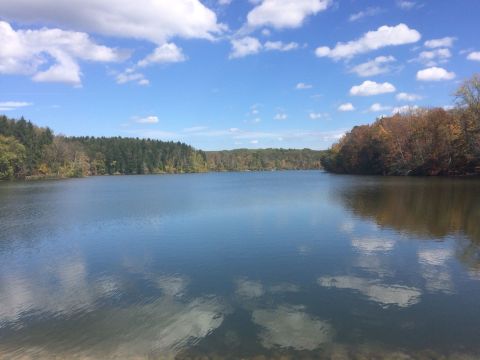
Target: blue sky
[{"x": 221, "y": 74}]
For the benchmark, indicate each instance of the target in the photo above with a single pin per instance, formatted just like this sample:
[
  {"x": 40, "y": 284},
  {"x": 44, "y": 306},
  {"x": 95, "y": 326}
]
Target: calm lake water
[{"x": 296, "y": 264}]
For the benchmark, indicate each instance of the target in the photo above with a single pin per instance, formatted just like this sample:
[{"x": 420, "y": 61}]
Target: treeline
[
  {"x": 263, "y": 159},
  {"x": 29, "y": 152},
  {"x": 420, "y": 142}
]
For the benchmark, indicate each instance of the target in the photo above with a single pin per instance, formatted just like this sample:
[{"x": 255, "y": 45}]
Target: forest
[
  {"x": 429, "y": 141},
  {"x": 264, "y": 159},
  {"x": 31, "y": 152}
]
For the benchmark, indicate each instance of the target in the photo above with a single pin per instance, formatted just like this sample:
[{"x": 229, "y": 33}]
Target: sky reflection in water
[{"x": 258, "y": 263}]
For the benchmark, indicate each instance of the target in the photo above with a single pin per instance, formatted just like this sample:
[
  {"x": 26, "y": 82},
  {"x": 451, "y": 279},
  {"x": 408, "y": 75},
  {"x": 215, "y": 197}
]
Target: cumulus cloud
[
  {"x": 383, "y": 294},
  {"x": 432, "y": 57},
  {"x": 384, "y": 36},
  {"x": 403, "y": 96},
  {"x": 377, "y": 66},
  {"x": 280, "y": 46},
  {"x": 13, "y": 105},
  {"x": 166, "y": 53},
  {"x": 406, "y": 4},
  {"x": 369, "y": 88},
  {"x": 147, "y": 120},
  {"x": 303, "y": 86},
  {"x": 371, "y": 11},
  {"x": 131, "y": 75},
  {"x": 435, "y": 74},
  {"x": 316, "y": 115},
  {"x": 249, "y": 45},
  {"x": 28, "y": 52},
  {"x": 245, "y": 46},
  {"x": 377, "y": 107},
  {"x": 284, "y": 13},
  {"x": 475, "y": 56},
  {"x": 154, "y": 21},
  {"x": 443, "y": 42},
  {"x": 346, "y": 107}
]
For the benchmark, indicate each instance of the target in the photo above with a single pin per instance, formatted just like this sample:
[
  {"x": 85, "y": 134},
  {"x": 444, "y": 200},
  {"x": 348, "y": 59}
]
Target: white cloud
[
  {"x": 377, "y": 66},
  {"x": 406, "y": 4},
  {"x": 154, "y": 21},
  {"x": 245, "y": 46},
  {"x": 316, "y": 116},
  {"x": 346, "y": 107},
  {"x": 377, "y": 107},
  {"x": 147, "y": 120},
  {"x": 224, "y": 2},
  {"x": 371, "y": 11},
  {"x": 254, "y": 142},
  {"x": 369, "y": 88},
  {"x": 280, "y": 46},
  {"x": 280, "y": 116},
  {"x": 405, "y": 109},
  {"x": 249, "y": 45},
  {"x": 475, "y": 56},
  {"x": 266, "y": 32},
  {"x": 166, "y": 53},
  {"x": 284, "y": 13},
  {"x": 443, "y": 42},
  {"x": 303, "y": 86},
  {"x": 432, "y": 57},
  {"x": 28, "y": 52},
  {"x": 407, "y": 97},
  {"x": 13, "y": 105},
  {"x": 131, "y": 75},
  {"x": 242, "y": 136},
  {"x": 434, "y": 74},
  {"x": 384, "y": 36}
]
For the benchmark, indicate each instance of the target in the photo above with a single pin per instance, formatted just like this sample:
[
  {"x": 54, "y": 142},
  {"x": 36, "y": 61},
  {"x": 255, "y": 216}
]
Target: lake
[{"x": 299, "y": 264}]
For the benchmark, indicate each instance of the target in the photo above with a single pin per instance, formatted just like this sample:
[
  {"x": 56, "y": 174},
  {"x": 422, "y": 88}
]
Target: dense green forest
[
  {"x": 421, "y": 142},
  {"x": 29, "y": 152},
  {"x": 265, "y": 159}
]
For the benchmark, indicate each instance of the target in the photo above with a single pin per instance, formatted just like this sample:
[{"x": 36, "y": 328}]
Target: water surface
[{"x": 296, "y": 264}]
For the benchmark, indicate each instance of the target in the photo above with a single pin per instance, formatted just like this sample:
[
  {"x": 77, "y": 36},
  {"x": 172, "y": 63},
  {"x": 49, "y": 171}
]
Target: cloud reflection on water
[
  {"x": 435, "y": 270},
  {"x": 64, "y": 288},
  {"x": 290, "y": 326},
  {"x": 383, "y": 294}
]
